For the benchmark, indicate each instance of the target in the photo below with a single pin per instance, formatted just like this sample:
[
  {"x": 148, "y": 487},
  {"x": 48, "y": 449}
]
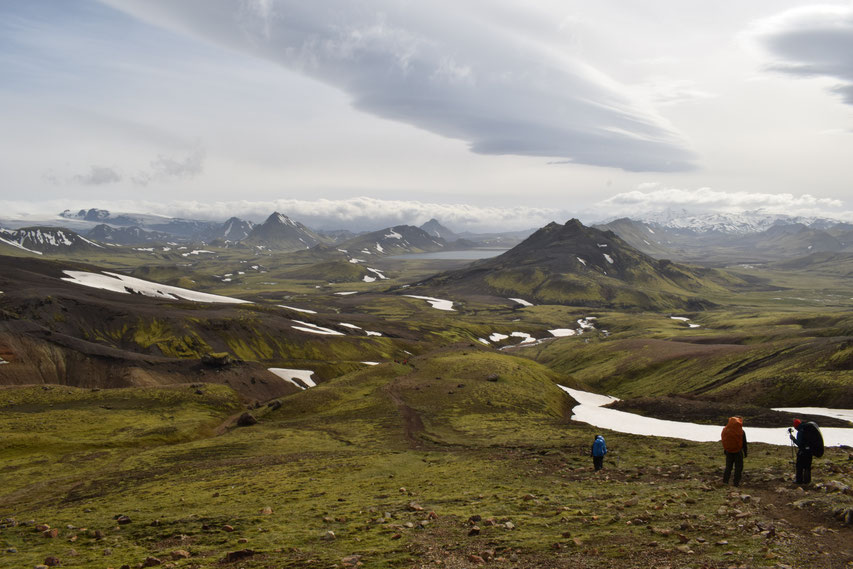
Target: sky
[{"x": 486, "y": 114}]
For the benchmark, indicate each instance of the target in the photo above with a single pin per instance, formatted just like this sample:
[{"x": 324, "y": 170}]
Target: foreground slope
[{"x": 433, "y": 463}]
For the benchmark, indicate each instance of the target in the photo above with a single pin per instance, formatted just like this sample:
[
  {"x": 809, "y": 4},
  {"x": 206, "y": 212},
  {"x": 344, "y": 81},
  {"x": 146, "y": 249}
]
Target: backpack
[
  {"x": 813, "y": 438},
  {"x": 599, "y": 447},
  {"x": 732, "y": 435}
]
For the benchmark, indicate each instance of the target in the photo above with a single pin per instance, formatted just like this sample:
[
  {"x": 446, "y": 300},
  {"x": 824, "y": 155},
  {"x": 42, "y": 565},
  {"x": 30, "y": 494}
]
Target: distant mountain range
[
  {"x": 712, "y": 238},
  {"x": 727, "y": 239}
]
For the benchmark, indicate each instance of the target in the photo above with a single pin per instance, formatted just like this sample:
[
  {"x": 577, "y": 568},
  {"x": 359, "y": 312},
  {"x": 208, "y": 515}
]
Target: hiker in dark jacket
[
  {"x": 809, "y": 443},
  {"x": 599, "y": 449},
  {"x": 734, "y": 445}
]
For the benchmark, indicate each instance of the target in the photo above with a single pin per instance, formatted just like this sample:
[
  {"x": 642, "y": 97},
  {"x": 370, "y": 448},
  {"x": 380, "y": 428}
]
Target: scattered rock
[
  {"x": 151, "y": 561},
  {"x": 51, "y": 533},
  {"x": 476, "y": 559},
  {"x": 397, "y": 536},
  {"x": 246, "y": 420},
  {"x": 329, "y": 535},
  {"x": 475, "y": 530},
  {"x": 233, "y": 556},
  {"x": 121, "y": 519},
  {"x": 227, "y": 528},
  {"x": 52, "y": 561},
  {"x": 266, "y": 511},
  {"x": 274, "y": 405},
  {"x": 180, "y": 554}
]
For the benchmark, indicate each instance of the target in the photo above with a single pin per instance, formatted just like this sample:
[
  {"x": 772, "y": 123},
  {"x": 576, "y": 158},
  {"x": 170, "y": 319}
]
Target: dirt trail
[{"x": 412, "y": 423}]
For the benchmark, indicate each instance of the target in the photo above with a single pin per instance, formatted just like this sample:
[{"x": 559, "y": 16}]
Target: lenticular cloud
[{"x": 467, "y": 71}]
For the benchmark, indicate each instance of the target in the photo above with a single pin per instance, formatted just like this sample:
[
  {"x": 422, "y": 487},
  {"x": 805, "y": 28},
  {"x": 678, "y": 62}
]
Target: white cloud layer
[
  {"x": 360, "y": 214},
  {"x": 476, "y": 71},
  {"x": 647, "y": 199}
]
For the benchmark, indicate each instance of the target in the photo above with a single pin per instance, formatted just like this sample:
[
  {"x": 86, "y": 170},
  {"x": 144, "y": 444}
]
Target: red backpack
[{"x": 732, "y": 435}]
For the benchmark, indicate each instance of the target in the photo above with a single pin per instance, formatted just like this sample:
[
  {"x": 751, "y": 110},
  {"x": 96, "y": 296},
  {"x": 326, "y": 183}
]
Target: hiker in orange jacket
[{"x": 734, "y": 445}]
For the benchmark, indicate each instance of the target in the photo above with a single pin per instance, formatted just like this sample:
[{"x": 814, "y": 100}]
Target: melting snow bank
[
  {"x": 371, "y": 363},
  {"x": 345, "y": 293},
  {"x": 436, "y": 303},
  {"x": 131, "y": 285},
  {"x": 301, "y": 378},
  {"x": 590, "y": 410},
  {"x": 521, "y": 301}
]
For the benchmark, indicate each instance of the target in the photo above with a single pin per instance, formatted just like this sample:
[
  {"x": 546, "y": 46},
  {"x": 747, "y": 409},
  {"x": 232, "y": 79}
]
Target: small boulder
[
  {"x": 52, "y": 561},
  {"x": 151, "y": 561},
  {"x": 246, "y": 420},
  {"x": 239, "y": 555},
  {"x": 180, "y": 554}
]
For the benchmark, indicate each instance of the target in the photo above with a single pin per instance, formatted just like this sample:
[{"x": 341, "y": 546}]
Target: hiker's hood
[{"x": 735, "y": 422}]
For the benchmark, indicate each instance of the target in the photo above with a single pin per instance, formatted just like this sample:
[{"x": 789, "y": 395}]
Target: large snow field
[
  {"x": 131, "y": 285},
  {"x": 590, "y": 410}
]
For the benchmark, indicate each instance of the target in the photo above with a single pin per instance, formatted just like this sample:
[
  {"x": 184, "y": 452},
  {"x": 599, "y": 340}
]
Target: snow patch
[
  {"x": 372, "y": 333},
  {"x": 371, "y": 363},
  {"x": 437, "y": 303},
  {"x": 393, "y": 235},
  {"x": 521, "y": 301},
  {"x": 483, "y": 341},
  {"x": 345, "y": 293},
  {"x": 368, "y": 279},
  {"x": 353, "y": 326},
  {"x": 581, "y": 260},
  {"x": 379, "y": 248},
  {"x": 301, "y": 378},
  {"x": 314, "y": 329},
  {"x": 378, "y": 273},
  {"x": 497, "y": 337},
  {"x": 562, "y": 332},
  {"x": 305, "y": 310},
  {"x": 608, "y": 258}
]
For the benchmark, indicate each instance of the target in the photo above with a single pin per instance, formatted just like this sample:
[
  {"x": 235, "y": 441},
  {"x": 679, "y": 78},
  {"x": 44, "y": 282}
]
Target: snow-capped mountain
[
  {"x": 728, "y": 223},
  {"x": 436, "y": 229},
  {"x": 125, "y": 235},
  {"x": 392, "y": 241},
  {"x": 281, "y": 233}
]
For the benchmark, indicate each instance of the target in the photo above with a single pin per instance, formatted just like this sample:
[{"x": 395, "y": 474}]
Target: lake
[{"x": 462, "y": 254}]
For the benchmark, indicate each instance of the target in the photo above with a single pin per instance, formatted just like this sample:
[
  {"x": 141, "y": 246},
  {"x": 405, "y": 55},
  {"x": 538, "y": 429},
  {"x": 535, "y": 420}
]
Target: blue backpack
[{"x": 599, "y": 447}]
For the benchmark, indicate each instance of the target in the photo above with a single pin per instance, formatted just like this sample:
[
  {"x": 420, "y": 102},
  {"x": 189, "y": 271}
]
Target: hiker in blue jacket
[{"x": 599, "y": 449}]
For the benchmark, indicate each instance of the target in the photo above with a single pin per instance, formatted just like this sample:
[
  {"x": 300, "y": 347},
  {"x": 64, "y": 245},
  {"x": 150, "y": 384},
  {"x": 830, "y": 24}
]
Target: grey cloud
[
  {"x": 812, "y": 41},
  {"x": 97, "y": 176},
  {"x": 470, "y": 71},
  {"x": 164, "y": 168}
]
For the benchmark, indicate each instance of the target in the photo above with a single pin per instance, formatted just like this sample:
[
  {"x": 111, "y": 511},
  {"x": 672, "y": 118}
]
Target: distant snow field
[
  {"x": 371, "y": 363},
  {"x": 301, "y": 378},
  {"x": 131, "y": 285},
  {"x": 590, "y": 410},
  {"x": 305, "y": 310},
  {"x": 437, "y": 303},
  {"x": 346, "y": 293},
  {"x": 521, "y": 301}
]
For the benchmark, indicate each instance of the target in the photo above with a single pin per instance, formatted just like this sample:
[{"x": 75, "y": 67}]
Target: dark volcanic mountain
[
  {"x": 280, "y": 233},
  {"x": 392, "y": 241},
  {"x": 436, "y": 229},
  {"x": 125, "y": 235},
  {"x": 578, "y": 265},
  {"x": 235, "y": 229}
]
